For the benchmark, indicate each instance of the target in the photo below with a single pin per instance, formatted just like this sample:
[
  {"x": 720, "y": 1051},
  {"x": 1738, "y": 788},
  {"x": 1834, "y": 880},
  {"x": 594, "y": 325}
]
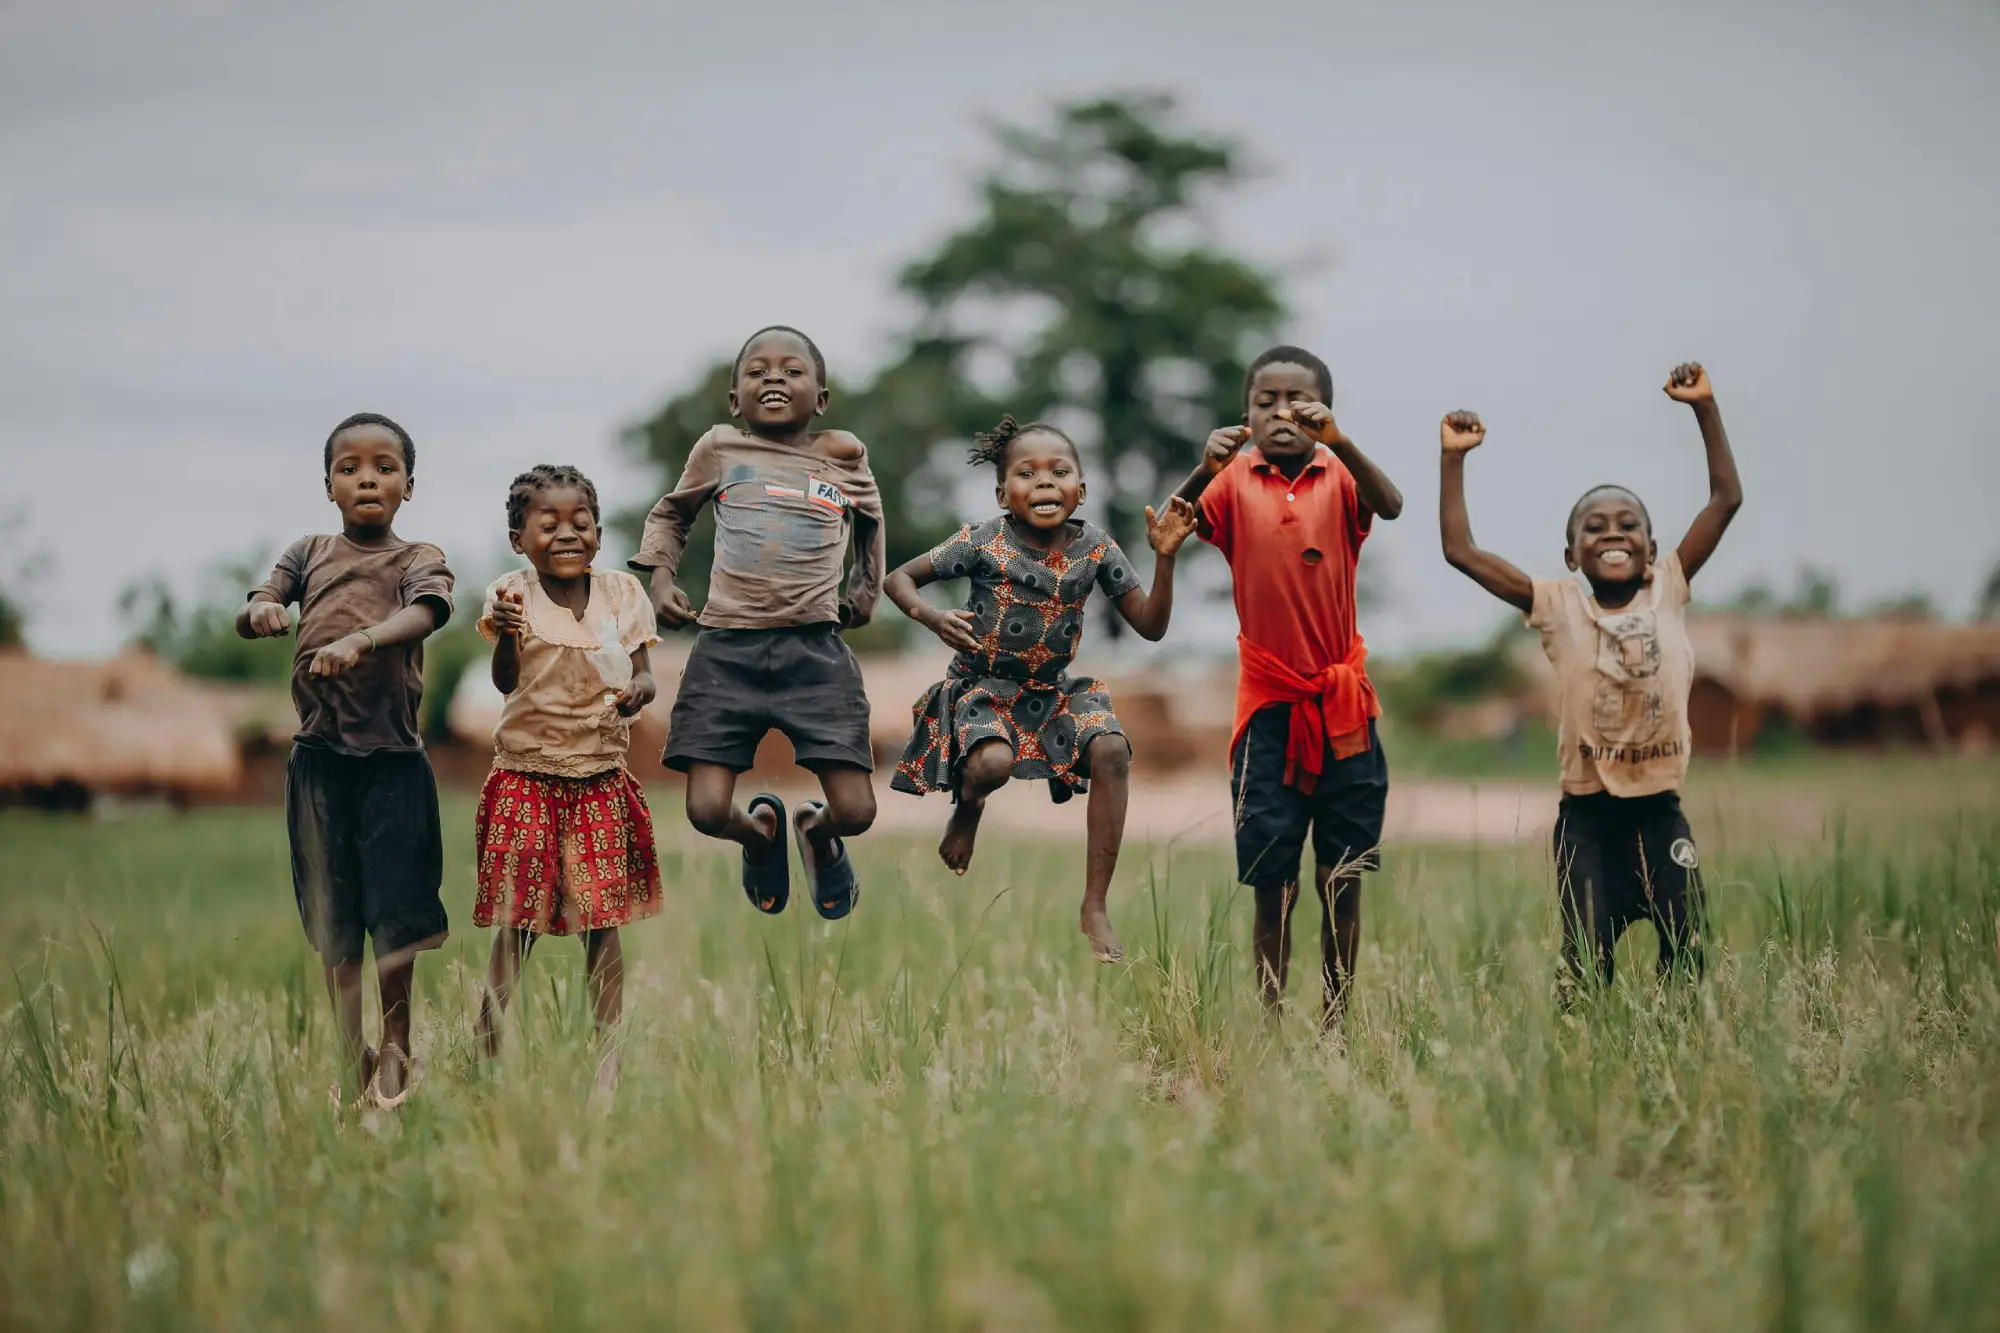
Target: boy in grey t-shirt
[{"x": 789, "y": 501}]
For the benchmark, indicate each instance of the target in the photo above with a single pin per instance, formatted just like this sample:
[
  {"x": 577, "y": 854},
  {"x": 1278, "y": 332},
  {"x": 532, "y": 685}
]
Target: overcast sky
[{"x": 516, "y": 228}]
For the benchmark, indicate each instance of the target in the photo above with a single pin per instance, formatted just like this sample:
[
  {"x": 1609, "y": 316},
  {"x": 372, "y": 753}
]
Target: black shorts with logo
[
  {"x": 741, "y": 684},
  {"x": 1343, "y": 813},
  {"x": 1622, "y": 860}
]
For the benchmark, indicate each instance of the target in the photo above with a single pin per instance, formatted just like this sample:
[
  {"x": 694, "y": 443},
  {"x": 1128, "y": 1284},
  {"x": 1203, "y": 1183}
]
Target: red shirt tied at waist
[{"x": 1292, "y": 546}]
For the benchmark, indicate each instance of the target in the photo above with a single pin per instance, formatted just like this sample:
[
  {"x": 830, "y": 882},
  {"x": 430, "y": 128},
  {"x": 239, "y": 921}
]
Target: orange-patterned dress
[{"x": 1027, "y": 612}]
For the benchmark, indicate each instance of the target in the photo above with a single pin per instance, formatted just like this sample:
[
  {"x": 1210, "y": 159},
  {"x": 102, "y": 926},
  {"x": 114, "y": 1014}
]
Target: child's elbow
[{"x": 1390, "y": 509}]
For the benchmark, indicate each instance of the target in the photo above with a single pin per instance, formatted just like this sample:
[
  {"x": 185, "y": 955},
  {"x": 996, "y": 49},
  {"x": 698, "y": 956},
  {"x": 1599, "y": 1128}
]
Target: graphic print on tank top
[{"x": 1628, "y": 708}]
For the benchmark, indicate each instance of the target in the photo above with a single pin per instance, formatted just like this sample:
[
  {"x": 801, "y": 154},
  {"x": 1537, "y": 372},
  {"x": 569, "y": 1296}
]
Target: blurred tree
[
  {"x": 1087, "y": 274},
  {"x": 1815, "y": 594},
  {"x": 1082, "y": 291},
  {"x": 199, "y": 636},
  {"x": 1989, "y": 597},
  {"x": 17, "y": 574}
]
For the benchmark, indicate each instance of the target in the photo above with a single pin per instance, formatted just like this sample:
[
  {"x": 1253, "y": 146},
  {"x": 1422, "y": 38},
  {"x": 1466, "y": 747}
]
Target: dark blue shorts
[{"x": 1343, "y": 814}]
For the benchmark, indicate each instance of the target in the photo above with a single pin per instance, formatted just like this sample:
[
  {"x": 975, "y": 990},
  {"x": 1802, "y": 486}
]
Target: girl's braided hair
[
  {"x": 990, "y": 446},
  {"x": 546, "y": 477}
]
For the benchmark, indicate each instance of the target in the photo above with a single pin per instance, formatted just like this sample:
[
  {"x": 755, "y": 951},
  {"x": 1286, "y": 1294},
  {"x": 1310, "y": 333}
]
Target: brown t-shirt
[
  {"x": 340, "y": 588},
  {"x": 783, "y": 518},
  {"x": 1625, "y": 677}
]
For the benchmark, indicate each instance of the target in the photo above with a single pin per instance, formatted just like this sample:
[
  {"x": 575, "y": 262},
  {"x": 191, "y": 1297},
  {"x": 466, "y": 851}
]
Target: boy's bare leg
[
  {"x": 1339, "y": 938},
  {"x": 604, "y": 961},
  {"x": 849, "y": 810},
  {"x": 1110, "y": 760},
  {"x": 343, "y": 987},
  {"x": 1273, "y": 940},
  {"x": 394, "y": 975},
  {"x": 984, "y": 770},
  {"x": 503, "y": 969},
  {"x": 711, "y": 809}
]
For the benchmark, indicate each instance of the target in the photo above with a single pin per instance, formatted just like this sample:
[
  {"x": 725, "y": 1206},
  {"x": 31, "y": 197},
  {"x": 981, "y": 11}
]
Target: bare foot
[
  {"x": 959, "y": 835},
  {"x": 395, "y": 1078},
  {"x": 766, "y": 820},
  {"x": 1096, "y": 923}
]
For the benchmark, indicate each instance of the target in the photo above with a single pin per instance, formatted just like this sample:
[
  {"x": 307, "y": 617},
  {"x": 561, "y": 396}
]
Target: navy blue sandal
[
  {"x": 767, "y": 882},
  {"x": 834, "y": 889}
]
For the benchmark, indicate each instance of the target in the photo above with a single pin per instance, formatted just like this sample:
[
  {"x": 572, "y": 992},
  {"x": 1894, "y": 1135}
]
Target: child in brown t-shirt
[
  {"x": 360, "y": 800},
  {"x": 1624, "y": 667},
  {"x": 789, "y": 500}
]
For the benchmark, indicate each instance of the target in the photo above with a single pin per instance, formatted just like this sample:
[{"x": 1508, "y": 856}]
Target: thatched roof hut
[
  {"x": 1835, "y": 682},
  {"x": 130, "y": 726},
  {"x": 1877, "y": 681}
]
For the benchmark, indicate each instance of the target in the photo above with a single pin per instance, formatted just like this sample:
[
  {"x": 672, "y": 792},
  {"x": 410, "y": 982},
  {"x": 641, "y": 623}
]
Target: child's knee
[
  {"x": 708, "y": 814},
  {"x": 1110, "y": 758},
  {"x": 851, "y": 813},
  {"x": 987, "y": 765}
]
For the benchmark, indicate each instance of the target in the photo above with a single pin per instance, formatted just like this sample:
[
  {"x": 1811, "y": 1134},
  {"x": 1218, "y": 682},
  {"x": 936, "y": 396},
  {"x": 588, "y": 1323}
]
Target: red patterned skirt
[{"x": 559, "y": 856}]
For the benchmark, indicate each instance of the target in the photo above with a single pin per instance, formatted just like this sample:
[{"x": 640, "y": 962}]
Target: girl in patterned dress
[
  {"x": 1008, "y": 706},
  {"x": 564, "y": 839}
]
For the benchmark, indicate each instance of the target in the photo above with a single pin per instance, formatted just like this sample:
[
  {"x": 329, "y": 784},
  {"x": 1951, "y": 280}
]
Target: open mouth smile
[{"x": 774, "y": 398}]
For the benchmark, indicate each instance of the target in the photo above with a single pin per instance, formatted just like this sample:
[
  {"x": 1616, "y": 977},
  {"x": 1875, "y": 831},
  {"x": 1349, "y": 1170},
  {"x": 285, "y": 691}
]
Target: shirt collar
[{"x": 1320, "y": 453}]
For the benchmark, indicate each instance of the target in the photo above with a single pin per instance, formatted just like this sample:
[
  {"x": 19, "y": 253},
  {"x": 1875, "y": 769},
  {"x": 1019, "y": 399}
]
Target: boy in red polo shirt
[{"x": 1290, "y": 513}]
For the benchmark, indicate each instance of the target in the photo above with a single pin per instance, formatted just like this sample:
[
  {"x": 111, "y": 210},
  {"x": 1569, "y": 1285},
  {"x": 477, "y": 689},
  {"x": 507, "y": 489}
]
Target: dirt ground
[{"x": 1196, "y": 809}]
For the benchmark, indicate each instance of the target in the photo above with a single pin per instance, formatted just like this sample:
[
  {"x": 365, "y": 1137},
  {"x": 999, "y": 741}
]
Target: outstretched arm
[
  {"x": 1689, "y": 384},
  {"x": 1377, "y": 492},
  {"x": 953, "y": 627},
  {"x": 1148, "y": 613},
  {"x": 1460, "y": 434}
]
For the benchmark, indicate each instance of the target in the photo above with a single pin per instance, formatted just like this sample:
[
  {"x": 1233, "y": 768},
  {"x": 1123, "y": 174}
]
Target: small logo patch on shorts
[{"x": 1683, "y": 853}]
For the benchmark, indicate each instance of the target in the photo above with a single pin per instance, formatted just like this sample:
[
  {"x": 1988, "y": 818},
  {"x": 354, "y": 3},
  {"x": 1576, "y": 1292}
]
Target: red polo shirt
[{"x": 1292, "y": 548}]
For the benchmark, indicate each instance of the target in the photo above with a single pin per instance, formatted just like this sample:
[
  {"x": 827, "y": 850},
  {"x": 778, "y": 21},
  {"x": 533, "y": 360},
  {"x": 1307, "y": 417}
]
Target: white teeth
[{"x": 1617, "y": 557}]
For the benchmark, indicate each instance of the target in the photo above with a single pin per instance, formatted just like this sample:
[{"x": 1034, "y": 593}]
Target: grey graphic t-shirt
[
  {"x": 1625, "y": 677},
  {"x": 784, "y": 515}
]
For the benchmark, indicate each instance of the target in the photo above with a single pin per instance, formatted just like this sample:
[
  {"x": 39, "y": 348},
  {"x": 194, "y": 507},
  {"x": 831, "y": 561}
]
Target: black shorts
[
  {"x": 1621, "y": 860},
  {"x": 1343, "y": 813},
  {"x": 366, "y": 856},
  {"x": 741, "y": 684}
]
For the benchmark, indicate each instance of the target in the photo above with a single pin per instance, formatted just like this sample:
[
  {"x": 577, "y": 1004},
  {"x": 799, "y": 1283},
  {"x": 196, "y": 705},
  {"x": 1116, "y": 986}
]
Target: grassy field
[{"x": 942, "y": 1115}]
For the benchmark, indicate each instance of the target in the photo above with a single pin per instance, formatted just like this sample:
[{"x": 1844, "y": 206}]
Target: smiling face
[
  {"x": 558, "y": 533},
  {"x": 1279, "y": 387},
  {"x": 778, "y": 389},
  {"x": 1611, "y": 538},
  {"x": 368, "y": 479},
  {"x": 1042, "y": 482}
]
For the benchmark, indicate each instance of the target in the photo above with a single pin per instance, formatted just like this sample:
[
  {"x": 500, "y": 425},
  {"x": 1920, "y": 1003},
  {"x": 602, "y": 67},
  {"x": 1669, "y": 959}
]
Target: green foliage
[
  {"x": 1420, "y": 688},
  {"x": 13, "y": 621},
  {"x": 1135, "y": 341},
  {"x": 1815, "y": 594},
  {"x": 199, "y": 636},
  {"x": 1989, "y": 597}
]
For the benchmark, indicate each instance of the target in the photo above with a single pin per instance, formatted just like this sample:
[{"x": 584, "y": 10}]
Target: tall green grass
[{"x": 943, "y": 1115}]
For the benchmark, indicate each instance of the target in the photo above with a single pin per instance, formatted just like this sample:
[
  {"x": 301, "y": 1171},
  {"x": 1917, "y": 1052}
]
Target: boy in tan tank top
[{"x": 1624, "y": 666}]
